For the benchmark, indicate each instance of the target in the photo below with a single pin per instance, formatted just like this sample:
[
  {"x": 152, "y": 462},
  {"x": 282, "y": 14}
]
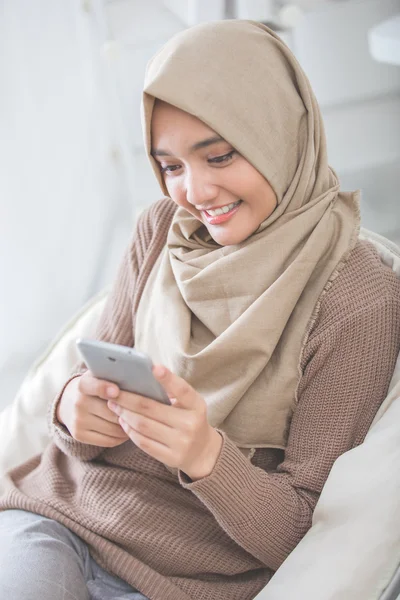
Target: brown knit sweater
[{"x": 221, "y": 537}]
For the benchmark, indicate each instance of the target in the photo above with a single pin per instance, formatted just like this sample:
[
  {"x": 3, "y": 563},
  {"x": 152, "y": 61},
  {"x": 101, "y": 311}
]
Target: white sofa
[{"x": 351, "y": 552}]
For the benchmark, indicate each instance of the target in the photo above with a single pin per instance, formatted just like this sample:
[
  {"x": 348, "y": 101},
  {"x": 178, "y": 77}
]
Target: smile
[{"x": 220, "y": 215}]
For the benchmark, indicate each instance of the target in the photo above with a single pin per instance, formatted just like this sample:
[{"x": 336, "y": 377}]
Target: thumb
[{"x": 179, "y": 391}]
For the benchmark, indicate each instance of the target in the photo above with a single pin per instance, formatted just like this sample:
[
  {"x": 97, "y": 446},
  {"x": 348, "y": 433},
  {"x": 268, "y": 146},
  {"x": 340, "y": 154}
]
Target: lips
[{"x": 221, "y": 215}]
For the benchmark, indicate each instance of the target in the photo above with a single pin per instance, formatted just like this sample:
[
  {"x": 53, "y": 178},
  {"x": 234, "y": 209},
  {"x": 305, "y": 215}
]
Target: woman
[{"x": 274, "y": 329}]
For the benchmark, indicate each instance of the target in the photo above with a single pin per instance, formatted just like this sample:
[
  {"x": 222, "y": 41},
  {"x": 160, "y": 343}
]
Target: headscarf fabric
[{"x": 233, "y": 320}]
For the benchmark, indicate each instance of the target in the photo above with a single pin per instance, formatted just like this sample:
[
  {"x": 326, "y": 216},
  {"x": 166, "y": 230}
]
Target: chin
[{"x": 227, "y": 238}]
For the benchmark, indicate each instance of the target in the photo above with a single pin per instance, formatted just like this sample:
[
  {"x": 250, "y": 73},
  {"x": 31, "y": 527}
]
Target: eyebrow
[{"x": 203, "y": 144}]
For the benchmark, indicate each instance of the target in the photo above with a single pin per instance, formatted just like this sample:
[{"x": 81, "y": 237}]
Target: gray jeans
[{"x": 41, "y": 559}]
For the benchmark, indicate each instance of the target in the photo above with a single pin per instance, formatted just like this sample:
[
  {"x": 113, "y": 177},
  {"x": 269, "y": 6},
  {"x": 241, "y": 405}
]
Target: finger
[
  {"x": 95, "y": 438},
  {"x": 106, "y": 428},
  {"x": 179, "y": 391},
  {"x": 92, "y": 386},
  {"x": 99, "y": 407},
  {"x": 173, "y": 417},
  {"x": 154, "y": 430},
  {"x": 157, "y": 411},
  {"x": 154, "y": 448}
]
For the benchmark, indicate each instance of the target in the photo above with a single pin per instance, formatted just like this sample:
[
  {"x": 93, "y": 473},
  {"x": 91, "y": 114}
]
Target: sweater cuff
[{"x": 230, "y": 487}]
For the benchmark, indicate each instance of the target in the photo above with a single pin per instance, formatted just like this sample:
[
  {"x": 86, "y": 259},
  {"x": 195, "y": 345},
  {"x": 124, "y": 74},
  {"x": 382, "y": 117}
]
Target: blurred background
[{"x": 73, "y": 174}]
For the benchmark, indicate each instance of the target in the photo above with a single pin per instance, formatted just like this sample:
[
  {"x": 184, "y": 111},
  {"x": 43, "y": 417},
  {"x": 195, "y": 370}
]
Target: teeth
[{"x": 223, "y": 210}]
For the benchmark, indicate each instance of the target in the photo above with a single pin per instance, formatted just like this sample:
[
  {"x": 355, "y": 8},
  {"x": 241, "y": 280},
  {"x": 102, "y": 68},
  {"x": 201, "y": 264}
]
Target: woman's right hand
[{"x": 83, "y": 410}]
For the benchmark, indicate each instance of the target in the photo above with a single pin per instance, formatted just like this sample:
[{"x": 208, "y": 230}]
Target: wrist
[{"x": 206, "y": 463}]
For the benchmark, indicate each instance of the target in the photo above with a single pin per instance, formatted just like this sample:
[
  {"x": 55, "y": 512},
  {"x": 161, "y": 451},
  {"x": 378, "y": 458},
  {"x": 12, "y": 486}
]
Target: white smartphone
[{"x": 129, "y": 369}]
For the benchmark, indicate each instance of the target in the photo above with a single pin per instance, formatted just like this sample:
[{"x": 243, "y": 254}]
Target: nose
[{"x": 200, "y": 189}]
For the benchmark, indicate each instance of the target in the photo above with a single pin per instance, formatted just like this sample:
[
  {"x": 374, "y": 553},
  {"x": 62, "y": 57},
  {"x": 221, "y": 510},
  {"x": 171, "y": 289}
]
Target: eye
[
  {"x": 169, "y": 168},
  {"x": 223, "y": 158}
]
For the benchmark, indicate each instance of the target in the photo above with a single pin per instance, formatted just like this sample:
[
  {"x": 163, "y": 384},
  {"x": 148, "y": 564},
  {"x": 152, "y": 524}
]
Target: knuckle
[
  {"x": 191, "y": 424},
  {"x": 184, "y": 388},
  {"x": 143, "y": 404},
  {"x": 100, "y": 388}
]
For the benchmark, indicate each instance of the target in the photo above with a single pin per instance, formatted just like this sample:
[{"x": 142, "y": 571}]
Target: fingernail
[
  {"x": 112, "y": 392},
  {"x": 112, "y": 405}
]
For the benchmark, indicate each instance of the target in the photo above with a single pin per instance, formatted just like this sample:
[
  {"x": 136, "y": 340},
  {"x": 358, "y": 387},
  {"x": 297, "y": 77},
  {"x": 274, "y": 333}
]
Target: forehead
[{"x": 171, "y": 124}]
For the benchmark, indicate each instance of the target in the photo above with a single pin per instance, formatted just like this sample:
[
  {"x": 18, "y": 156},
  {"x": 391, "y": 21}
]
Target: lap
[{"x": 41, "y": 559}]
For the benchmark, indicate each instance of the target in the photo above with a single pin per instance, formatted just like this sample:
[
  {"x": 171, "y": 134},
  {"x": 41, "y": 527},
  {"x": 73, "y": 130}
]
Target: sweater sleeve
[
  {"x": 347, "y": 369},
  {"x": 115, "y": 324}
]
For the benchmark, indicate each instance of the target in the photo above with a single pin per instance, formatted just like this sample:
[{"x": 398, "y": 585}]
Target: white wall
[
  {"x": 360, "y": 102},
  {"x": 65, "y": 213},
  {"x": 138, "y": 29}
]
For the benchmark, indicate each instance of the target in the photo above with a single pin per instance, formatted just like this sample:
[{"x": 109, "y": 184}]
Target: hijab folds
[{"x": 233, "y": 320}]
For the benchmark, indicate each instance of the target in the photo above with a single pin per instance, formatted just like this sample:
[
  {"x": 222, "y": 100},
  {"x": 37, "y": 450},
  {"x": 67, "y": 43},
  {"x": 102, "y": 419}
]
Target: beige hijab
[{"x": 233, "y": 320}]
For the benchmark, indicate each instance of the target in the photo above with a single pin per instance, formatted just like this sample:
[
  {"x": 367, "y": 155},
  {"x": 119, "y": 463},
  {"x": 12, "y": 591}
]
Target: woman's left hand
[{"x": 179, "y": 435}]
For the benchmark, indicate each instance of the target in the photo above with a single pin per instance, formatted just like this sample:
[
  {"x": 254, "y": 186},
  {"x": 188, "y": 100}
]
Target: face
[{"x": 205, "y": 175}]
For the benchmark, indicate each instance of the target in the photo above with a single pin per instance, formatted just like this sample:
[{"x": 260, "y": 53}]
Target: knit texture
[{"x": 221, "y": 537}]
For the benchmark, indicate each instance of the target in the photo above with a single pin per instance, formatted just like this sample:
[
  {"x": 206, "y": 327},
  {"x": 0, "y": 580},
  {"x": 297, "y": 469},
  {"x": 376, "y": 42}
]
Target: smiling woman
[
  {"x": 274, "y": 329},
  {"x": 204, "y": 174}
]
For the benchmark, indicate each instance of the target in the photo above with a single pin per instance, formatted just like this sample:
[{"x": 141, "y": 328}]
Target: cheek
[
  {"x": 243, "y": 181},
  {"x": 177, "y": 193}
]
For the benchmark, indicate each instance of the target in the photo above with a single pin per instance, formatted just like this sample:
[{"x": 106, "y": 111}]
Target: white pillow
[{"x": 23, "y": 424}]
